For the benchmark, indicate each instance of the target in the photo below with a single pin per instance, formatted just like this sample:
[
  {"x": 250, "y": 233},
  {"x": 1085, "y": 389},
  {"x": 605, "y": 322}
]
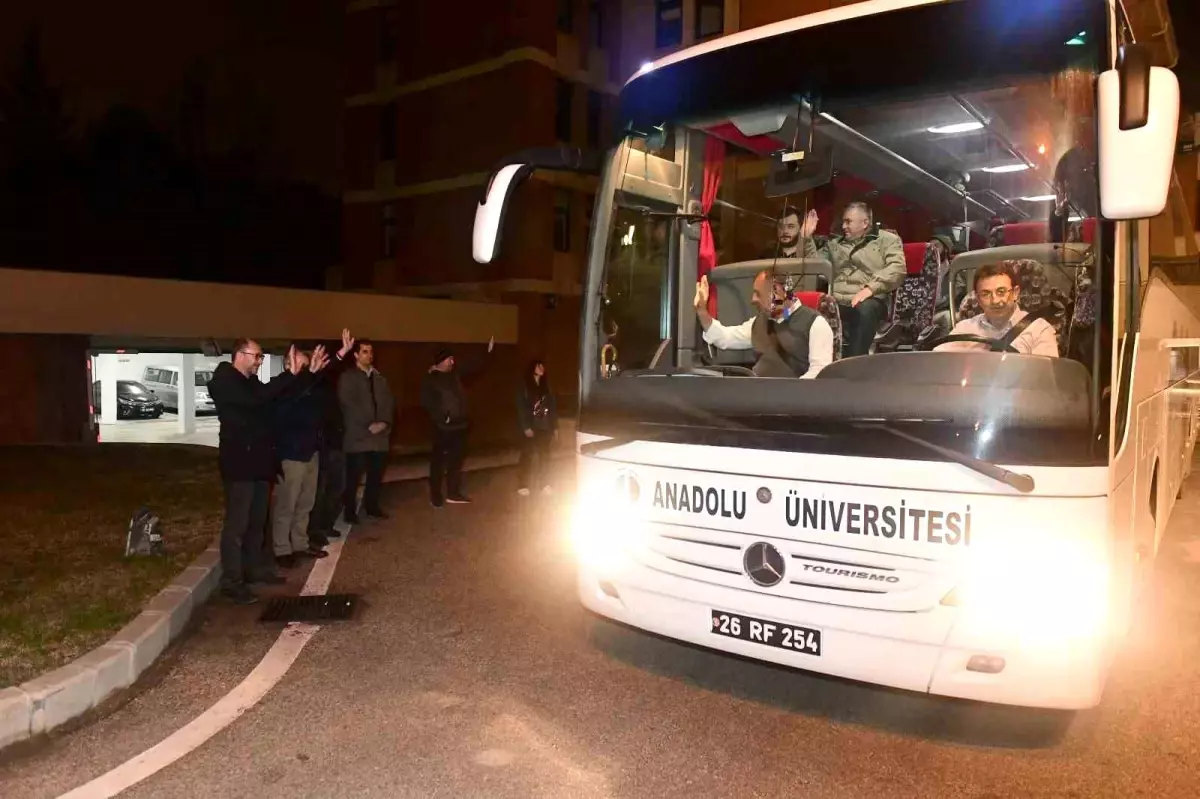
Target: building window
[
  {"x": 566, "y": 16},
  {"x": 710, "y": 18},
  {"x": 564, "y": 111},
  {"x": 595, "y": 111},
  {"x": 387, "y": 132},
  {"x": 596, "y": 23},
  {"x": 387, "y": 43},
  {"x": 562, "y": 220},
  {"x": 387, "y": 225},
  {"x": 668, "y": 23}
]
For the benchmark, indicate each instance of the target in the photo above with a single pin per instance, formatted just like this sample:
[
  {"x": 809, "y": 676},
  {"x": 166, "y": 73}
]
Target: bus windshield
[{"x": 870, "y": 229}]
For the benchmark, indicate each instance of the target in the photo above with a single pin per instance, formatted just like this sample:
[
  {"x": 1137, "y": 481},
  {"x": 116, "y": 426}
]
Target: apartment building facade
[{"x": 435, "y": 97}]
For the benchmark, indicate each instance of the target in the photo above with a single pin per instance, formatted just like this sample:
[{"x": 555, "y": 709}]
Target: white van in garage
[{"x": 164, "y": 382}]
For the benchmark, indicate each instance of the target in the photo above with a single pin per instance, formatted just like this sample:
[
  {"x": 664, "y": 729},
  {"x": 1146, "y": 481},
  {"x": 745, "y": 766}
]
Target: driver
[
  {"x": 998, "y": 292},
  {"x": 790, "y": 339}
]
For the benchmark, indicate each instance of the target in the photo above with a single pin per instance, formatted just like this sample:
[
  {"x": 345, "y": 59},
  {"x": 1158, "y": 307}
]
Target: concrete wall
[
  {"x": 49, "y": 321},
  {"x": 44, "y": 393},
  {"x": 102, "y": 305}
]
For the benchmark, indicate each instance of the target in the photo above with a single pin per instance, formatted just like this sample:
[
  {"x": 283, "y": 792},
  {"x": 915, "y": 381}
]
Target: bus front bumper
[{"x": 921, "y": 652}]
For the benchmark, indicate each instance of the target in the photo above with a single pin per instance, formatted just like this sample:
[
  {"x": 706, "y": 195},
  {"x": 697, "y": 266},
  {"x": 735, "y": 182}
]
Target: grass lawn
[{"x": 65, "y": 585}]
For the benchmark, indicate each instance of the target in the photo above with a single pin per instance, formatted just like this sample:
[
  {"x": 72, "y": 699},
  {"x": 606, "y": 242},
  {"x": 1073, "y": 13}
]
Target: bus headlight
[
  {"x": 1060, "y": 596},
  {"x": 605, "y": 522}
]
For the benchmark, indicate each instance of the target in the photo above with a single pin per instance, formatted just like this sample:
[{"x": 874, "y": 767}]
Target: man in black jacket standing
[
  {"x": 247, "y": 458},
  {"x": 445, "y": 400}
]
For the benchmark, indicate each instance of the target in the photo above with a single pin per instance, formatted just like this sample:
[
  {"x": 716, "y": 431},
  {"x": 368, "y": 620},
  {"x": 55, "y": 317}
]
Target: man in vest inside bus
[
  {"x": 790, "y": 339},
  {"x": 867, "y": 267},
  {"x": 998, "y": 292}
]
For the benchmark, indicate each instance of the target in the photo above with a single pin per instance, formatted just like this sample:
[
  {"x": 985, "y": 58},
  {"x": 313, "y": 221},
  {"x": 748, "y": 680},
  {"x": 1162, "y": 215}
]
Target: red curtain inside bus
[{"x": 714, "y": 163}]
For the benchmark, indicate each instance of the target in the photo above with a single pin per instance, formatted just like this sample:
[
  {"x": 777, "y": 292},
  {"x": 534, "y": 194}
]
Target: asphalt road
[{"x": 472, "y": 671}]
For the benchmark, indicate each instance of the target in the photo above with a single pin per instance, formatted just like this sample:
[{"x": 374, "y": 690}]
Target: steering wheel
[{"x": 993, "y": 344}]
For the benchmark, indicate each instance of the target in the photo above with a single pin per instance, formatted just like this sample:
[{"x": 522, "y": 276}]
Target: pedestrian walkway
[{"x": 416, "y": 467}]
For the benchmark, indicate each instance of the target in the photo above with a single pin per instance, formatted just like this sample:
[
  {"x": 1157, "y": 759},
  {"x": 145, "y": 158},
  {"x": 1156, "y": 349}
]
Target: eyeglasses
[
  {"x": 258, "y": 356},
  {"x": 999, "y": 294}
]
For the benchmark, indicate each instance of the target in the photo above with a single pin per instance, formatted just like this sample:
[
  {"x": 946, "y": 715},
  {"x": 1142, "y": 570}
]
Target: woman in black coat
[{"x": 537, "y": 418}]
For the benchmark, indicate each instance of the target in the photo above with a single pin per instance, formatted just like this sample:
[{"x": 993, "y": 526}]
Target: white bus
[{"x": 968, "y": 524}]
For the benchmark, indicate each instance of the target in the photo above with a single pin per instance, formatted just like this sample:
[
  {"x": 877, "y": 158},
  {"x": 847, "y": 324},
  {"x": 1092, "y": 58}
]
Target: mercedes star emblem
[{"x": 764, "y": 564}]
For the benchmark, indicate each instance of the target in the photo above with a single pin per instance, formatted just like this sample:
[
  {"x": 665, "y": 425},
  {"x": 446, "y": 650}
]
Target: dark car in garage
[{"x": 134, "y": 401}]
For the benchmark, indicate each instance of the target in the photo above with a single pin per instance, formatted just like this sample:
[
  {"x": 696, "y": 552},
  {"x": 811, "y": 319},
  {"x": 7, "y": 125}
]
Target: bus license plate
[{"x": 780, "y": 636}]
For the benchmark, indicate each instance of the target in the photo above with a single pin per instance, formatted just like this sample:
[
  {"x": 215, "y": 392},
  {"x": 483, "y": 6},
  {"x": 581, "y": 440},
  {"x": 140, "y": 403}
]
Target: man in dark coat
[
  {"x": 445, "y": 400},
  {"x": 247, "y": 458}
]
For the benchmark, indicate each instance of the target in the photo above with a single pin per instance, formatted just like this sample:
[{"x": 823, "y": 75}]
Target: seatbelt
[{"x": 1020, "y": 327}]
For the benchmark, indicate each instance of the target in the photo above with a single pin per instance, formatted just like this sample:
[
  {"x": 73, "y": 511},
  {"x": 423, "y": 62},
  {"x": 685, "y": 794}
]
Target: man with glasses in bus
[
  {"x": 999, "y": 292},
  {"x": 868, "y": 265},
  {"x": 791, "y": 339}
]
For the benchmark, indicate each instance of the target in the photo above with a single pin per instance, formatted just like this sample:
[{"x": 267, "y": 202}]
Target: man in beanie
[{"x": 445, "y": 400}]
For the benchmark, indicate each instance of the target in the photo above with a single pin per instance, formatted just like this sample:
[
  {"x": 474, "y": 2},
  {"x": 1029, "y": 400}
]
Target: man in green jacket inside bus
[{"x": 868, "y": 266}]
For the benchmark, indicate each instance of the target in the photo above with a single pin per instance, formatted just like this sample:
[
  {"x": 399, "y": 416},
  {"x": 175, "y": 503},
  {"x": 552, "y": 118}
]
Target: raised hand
[
  {"x": 293, "y": 361},
  {"x": 701, "y": 298},
  {"x": 491, "y": 343},
  {"x": 347, "y": 343},
  {"x": 810, "y": 224},
  {"x": 319, "y": 359}
]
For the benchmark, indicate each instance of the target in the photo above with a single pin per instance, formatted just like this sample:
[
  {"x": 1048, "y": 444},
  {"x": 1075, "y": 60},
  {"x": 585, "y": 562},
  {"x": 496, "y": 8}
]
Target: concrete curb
[{"x": 66, "y": 693}]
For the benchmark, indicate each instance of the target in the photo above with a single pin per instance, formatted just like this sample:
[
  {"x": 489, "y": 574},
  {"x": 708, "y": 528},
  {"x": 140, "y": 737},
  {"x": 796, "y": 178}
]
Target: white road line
[{"x": 229, "y": 708}]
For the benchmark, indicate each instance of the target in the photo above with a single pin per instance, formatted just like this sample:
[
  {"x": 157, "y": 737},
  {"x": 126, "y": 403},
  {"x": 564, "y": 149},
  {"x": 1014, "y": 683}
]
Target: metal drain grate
[{"x": 325, "y": 607}]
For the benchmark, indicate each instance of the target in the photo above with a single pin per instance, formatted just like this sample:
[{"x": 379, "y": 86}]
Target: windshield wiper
[
  {"x": 663, "y": 434},
  {"x": 1022, "y": 482},
  {"x": 593, "y": 447}
]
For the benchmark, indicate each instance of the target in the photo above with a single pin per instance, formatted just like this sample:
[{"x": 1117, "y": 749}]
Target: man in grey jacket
[
  {"x": 368, "y": 408},
  {"x": 867, "y": 267}
]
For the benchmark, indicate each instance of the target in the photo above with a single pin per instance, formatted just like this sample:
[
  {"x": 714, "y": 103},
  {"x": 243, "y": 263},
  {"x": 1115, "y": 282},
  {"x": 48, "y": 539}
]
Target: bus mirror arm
[{"x": 511, "y": 173}]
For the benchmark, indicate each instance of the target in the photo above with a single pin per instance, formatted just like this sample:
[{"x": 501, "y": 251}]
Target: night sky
[{"x": 274, "y": 67}]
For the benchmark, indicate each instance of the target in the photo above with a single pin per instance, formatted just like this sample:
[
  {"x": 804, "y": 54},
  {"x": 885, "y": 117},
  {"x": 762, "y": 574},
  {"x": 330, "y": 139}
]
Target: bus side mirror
[
  {"x": 1139, "y": 119},
  {"x": 489, "y": 214},
  {"x": 505, "y": 178}
]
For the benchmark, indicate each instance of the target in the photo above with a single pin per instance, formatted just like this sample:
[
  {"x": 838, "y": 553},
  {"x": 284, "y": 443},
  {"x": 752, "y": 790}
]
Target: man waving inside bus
[
  {"x": 789, "y": 338},
  {"x": 998, "y": 292}
]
